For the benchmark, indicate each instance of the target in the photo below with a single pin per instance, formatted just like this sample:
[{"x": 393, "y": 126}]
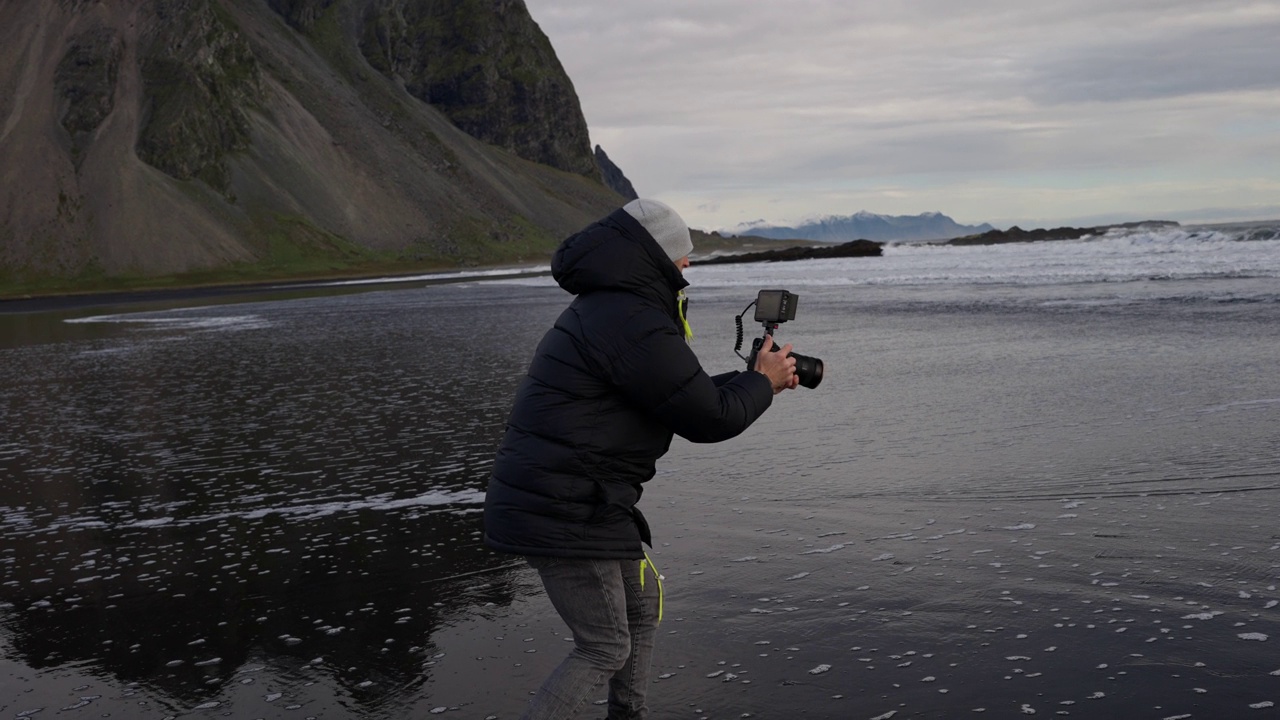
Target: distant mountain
[{"x": 867, "y": 226}]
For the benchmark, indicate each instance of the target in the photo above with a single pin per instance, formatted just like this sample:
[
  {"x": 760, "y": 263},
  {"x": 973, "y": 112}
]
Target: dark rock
[
  {"x": 853, "y": 248},
  {"x": 1017, "y": 234},
  {"x": 200, "y": 78},
  {"x": 489, "y": 67},
  {"x": 86, "y": 81},
  {"x": 301, "y": 14},
  {"x": 613, "y": 177}
]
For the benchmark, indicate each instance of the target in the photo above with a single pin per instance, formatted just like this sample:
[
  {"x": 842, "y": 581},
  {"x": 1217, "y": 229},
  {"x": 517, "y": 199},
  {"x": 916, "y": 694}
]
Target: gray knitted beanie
[{"x": 664, "y": 225}]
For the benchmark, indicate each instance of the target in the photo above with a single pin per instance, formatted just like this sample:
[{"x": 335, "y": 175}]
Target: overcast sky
[{"x": 1005, "y": 111}]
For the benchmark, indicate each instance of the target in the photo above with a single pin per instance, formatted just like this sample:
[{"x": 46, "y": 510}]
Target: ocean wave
[
  {"x": 189, "y": 322},
  {"x": 453, "y": 276},
  {"x": 1124, "y": 255},
  {"x": 21, "y": 519}
]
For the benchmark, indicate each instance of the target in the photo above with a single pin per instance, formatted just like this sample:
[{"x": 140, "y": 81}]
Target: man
[{"x": 608, "y": 386}]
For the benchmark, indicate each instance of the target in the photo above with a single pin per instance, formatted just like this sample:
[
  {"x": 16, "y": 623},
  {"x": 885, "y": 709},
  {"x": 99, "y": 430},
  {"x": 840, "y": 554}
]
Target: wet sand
[
  {"x": 247, "y": 292},
  {"x": 271, "y": 510},
  {"x": 1120, "y": 606}
]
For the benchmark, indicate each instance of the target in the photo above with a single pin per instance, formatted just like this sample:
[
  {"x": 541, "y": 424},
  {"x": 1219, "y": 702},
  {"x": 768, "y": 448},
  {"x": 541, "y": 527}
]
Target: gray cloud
[
  {"x": 1217, "y": 61},
  {"x": 1058, "y": 108}
]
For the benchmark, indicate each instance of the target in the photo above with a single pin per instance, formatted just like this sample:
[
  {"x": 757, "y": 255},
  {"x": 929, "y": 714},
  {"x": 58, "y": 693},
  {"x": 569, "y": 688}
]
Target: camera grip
[{"x": 755, "y": 350}]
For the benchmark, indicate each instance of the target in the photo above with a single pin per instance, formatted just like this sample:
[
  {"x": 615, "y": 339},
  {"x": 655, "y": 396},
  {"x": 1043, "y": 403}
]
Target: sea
[{"x": 1036, "y": 479}]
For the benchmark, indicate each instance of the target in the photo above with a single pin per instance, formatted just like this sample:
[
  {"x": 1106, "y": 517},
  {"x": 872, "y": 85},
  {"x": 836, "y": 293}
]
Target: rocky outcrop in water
[
  {"x": 853, "y": 248},
  {"x": 1017, "y": 234}
]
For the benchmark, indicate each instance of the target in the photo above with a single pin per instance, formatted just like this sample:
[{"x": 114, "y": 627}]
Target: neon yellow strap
[
  {"x": 647, "y": 562},
  {"x": 681, "y": 303}
]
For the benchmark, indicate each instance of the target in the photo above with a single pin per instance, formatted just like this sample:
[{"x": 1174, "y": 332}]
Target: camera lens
[{"x": 808, "y": 369}]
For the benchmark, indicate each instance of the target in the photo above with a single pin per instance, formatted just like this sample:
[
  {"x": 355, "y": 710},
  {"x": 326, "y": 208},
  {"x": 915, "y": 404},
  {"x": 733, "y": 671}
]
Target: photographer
[{"x": 609, "y": 385}]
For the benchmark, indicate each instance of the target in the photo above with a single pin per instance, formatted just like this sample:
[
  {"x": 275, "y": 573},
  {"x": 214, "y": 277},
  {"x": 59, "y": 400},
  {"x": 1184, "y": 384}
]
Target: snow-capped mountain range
[{"x": 865, "y": 225}]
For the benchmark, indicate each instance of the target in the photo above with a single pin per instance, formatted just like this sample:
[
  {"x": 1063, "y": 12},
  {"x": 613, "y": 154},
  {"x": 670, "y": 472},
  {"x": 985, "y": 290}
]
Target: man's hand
[{"x": 780, "y": 369}]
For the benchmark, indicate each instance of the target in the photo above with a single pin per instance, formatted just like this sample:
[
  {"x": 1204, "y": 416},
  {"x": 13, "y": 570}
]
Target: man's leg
[
  {"x": 592, "y": 600},
  {"x": 629, "y": 686}
]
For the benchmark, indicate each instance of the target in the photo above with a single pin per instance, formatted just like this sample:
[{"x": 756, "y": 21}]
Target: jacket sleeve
[
  {"x": 723, "y": 378},
  {"x": 661, "y": 374}
]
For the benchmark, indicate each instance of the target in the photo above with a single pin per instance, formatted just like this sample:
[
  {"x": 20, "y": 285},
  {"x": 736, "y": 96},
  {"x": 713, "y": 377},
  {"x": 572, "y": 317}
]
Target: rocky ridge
[
  {"x": 613, "y": 176},
  {"x": 486, "y": 65}
]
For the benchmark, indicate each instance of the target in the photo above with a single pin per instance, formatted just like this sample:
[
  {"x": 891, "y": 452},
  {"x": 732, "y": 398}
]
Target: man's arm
[
  {"x": 723, "y": 378},
  {"x": 662, "y": 375}
]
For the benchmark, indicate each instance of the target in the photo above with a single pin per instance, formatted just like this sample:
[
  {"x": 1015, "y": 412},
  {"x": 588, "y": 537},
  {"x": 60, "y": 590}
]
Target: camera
[{"x": 774, "y": 307}]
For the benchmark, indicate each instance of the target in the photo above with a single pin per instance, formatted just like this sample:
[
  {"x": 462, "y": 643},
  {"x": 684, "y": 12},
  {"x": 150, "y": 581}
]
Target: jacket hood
[{"x": 616, "y": 253}]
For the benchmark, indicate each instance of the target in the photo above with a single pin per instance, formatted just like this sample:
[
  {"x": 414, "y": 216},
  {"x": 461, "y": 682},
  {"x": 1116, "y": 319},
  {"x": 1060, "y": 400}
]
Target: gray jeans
[{"x": 614, "y": 622}]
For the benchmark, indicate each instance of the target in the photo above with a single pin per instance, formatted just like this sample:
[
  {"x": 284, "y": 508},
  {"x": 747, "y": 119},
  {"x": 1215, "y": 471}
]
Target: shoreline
[
  {"x": 713, "y": 255},
  {"x": 58, "y": 301},
  {"x": 75, "y": 300}
]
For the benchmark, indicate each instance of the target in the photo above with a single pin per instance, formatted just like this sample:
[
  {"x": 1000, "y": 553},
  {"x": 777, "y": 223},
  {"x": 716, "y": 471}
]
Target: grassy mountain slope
[{"x": 184, "y": 141}]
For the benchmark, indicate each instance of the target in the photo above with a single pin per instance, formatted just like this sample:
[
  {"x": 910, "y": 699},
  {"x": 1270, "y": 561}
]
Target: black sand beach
[{"x": 990, "y": 507}]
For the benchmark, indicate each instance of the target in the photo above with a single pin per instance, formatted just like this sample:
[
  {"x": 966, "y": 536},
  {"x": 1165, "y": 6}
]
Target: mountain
[
  {"x": 868, "y": 226},
  {"x": 613, "y": 176},
  {"x": 217, "y": 140}
]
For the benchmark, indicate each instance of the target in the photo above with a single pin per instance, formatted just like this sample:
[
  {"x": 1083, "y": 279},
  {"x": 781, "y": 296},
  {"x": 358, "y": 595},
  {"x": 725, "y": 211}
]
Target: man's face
[{"x": 682, "y": 263}]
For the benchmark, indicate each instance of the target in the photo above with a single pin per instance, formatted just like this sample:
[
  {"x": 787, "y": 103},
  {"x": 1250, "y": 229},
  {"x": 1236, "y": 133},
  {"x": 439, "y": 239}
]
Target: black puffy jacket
[{"x": 608, "y": 385}]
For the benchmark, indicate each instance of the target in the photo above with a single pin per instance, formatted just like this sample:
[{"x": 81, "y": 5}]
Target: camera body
[{"x": 774, "y": 307}]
